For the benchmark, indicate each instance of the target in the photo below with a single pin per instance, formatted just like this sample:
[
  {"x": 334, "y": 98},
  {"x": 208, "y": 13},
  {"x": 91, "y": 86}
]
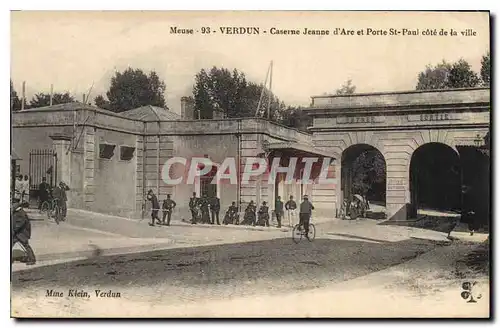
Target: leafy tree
[
  {"x": 369, "y": 174},
  {"x": 485, "y": 69},
  {"x": 230, "y": 93},
  {"x": 43, "y": 99},
  {"x": 462, "y": 76},
  {"x": 346, "y": 89},
  {"x": 132, "y": 88},
  {"x": 434, "y": 77},
  {"x": 15, "y": 102},
  {"x": 297, "y": 118},
  {"x": 448, "y": 76}
]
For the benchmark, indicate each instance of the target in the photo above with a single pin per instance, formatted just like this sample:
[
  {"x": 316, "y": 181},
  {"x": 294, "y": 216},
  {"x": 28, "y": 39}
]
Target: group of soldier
[{"x": 206, "y": 210}]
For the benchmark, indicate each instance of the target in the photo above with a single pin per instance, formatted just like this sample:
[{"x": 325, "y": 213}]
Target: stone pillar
[
  {"x": 397, "y": 194},
  {"x": 62, "y": 146}
]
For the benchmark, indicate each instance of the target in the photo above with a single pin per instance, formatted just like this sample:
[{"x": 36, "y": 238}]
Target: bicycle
[
  {"x": 298, "y": 232},
  {"x": 53, "y": 209}
]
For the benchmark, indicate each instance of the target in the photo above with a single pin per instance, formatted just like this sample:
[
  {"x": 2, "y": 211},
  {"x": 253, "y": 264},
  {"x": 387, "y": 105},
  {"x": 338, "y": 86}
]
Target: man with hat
[
  {"x": 155, "y": 207},
  {"x": 21, "y": 231},
  {"x": 168, "y": 205},
  {"x": 305, "y": 212}
]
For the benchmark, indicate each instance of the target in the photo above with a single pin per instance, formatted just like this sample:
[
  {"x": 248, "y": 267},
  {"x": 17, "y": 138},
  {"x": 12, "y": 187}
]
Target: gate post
[{"x": 62, "y": 147}]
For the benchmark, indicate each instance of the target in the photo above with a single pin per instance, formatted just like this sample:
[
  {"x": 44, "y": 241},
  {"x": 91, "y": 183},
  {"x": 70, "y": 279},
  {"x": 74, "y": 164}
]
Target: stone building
[{"x": 111, "y": 160}]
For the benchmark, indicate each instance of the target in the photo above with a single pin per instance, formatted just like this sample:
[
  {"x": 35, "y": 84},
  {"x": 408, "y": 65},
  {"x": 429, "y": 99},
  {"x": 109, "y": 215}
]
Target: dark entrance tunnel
[
  {"x": 435, "y": 178},
  {"x": 363, "y": 172}
]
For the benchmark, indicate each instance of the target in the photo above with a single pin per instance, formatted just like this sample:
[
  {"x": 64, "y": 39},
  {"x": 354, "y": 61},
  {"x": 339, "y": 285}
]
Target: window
[
  {"x": 126, "y": 153},
  {"x": 106, "y": 151}
]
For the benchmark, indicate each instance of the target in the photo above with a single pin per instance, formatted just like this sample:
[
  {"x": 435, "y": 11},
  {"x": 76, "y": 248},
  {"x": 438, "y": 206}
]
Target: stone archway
[
  {"x": 435, "y": 179},
  {"x": 364, "y": 172}
]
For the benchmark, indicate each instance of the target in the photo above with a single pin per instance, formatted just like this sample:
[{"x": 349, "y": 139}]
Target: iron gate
[{"x": 42, "y": 163}]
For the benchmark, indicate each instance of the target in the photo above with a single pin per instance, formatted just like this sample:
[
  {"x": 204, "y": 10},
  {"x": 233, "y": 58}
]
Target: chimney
[{"x": 187, "y": 108}]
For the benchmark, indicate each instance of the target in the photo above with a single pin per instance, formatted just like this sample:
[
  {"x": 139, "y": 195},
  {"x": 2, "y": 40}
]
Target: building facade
[{"x": 111, "y": 160}]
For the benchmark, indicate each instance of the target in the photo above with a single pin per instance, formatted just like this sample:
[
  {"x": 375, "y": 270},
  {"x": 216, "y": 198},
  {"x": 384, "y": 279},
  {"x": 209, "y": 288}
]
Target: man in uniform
[
  {"x": 168, "y": 206},
  {"x": 306, "y": 208},
  {"x": 155, "y": 207},
  {"x": 215, "y": 209},
  {"x": 43, "y": 192},
  {"x": 263, "y": 219},
  {"x": 193, "y": 202},
  {"x": 205, "y": 209},
  {"x": 291, "y": 207},
  {"x": 278, "y": 210},
  {"x": 60, "y": 194},
  {"x": 21, "y": 231}
]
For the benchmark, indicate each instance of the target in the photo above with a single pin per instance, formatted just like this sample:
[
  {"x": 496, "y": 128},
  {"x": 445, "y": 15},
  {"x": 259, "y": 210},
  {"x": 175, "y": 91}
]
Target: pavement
[
  {"x": 226, "y": 271},
  {"x": 88, "y": 234}
]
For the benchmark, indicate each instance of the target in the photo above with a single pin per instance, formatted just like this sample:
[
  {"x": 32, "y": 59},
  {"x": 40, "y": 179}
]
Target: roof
[
  {"x": 151, "y": 114},
  {"x": 66, "y": 106}
]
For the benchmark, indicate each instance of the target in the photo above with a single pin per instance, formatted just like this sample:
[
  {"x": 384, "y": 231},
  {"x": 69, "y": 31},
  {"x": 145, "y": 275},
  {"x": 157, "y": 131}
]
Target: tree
[
  {"x": 462, "y": 76},
  {"x": 485, "y": 69},
  {"x": 369, "y": 174},
  {"x": 296, "y": 117},
  {"x": 15, "y": 102},
  {"x": 448, "y": 76},
  {"x": 346, "y": 89},
  {"x": 43, "y": 99},
  {"x": 434, "y": 77},
  {"x": 220, "y": 90},
  {"x": 132, "y": 88}
]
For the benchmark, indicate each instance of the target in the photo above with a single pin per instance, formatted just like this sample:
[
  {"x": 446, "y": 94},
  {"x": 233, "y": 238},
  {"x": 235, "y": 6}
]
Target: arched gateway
[{"x": 419, "y": 135}]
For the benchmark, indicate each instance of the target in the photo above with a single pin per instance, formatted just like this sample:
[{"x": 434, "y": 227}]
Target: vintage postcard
[{"x": 243, "y": 164}]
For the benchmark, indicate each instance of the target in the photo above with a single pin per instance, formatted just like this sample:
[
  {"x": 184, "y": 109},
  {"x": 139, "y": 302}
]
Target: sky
[{"x": 75, "y": 50}]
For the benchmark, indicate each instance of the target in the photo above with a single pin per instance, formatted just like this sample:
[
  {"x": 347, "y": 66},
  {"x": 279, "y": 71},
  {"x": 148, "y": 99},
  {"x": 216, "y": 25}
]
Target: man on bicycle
[
  {"x": 306, "y": 208},
  {"x": 59, "y": 193}
]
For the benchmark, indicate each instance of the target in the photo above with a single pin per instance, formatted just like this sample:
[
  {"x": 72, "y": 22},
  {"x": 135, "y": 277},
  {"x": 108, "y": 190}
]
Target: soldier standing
[
  {"x": 193, "y": 203},
  {"x": 168, "y": 206},
  {"x": 291, "y": 208},
  {"x": 278, "y": 210},
  {"x": 155, "y": 207},
  {"x": 215, "y": 209},
  {"x": 205, "y": 209},
  {"x": 263, "y": 219}
]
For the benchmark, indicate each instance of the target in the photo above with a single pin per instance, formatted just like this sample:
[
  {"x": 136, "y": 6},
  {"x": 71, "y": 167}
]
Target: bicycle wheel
[
  {"x": 44, "y": 208},
  {"x": 57, "y": 213},
  {"x": 296, "y": 234},
  {"x": 312, "y": 232}
]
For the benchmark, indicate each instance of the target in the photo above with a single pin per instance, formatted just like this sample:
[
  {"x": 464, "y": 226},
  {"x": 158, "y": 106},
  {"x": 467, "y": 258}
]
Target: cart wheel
[{"x": 296, "y": 234}]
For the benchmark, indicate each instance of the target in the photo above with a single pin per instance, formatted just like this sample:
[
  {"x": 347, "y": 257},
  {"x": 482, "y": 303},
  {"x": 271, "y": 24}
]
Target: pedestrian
[
  {"x": 205, "y": 209},
  {"x": 291, "y": 210},
  {"x": 21, "y": 231},
  {"x": 278, "y": 210},
  {"x": 249, "y": 216},
  {"x": 59, "y": 193},
  {"x": 215, "y": 209},
  {"x": 263, "y": 219},
  {"x": 25, "y": 197},
  {"x": 43, "y": 192},
  {"x": 193, "y": 204},
  {"x": 168, "y": 206},
  {"x": 231, "y": 216},
  {"x": 305, "y": 212},
  {"x": 18, "y": 194},
  {"x": 155, "y": 207}
]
